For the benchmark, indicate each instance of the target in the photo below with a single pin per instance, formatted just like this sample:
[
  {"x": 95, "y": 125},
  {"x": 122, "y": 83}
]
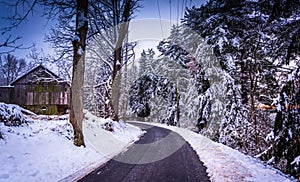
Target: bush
[{"x": 11, "y": 115}]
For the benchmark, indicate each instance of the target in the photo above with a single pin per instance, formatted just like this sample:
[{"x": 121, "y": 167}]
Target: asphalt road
[{"x": 160, "y": 155}]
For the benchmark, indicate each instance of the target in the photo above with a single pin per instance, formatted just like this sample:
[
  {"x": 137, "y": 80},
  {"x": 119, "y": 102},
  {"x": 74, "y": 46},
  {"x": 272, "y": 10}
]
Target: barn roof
[{"x": 33, "y": 70}]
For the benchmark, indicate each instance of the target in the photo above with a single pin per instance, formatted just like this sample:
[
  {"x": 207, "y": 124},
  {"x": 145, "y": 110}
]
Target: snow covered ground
[
  {"x": 226, "y": 164},
  {"x": 42, "y": 150}
]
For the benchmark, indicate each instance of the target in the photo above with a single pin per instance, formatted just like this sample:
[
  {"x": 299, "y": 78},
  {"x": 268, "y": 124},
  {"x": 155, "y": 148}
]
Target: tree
[
  {"x": 110, "y": 21},
  {"x": 102, "y": 16},
  {"x": 128, "y": 76},
  {"x": 284, "y": 138},
  {"x": 38, "y": 57},
  {"x": 238, "y": 33},
  {"x": 151, "y": 85},
  {"x": 189, "y": 50},
  {"x": 67, "y": 9},
  {"x": 12, "y": 11},
  {"x": 187, "y": 97},
  {"x": 11, "y": 67},
  {"x": 99, "y": 61},
  {"x": 79, "y": 48},
  {"x": 60, "y": 38},
  {"x": 253, "y": 40},
  {"x": 107, "y": 37}
]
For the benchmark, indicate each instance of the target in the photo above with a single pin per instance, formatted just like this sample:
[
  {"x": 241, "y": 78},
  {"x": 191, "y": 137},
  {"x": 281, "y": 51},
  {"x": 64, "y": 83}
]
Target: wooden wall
[{"x": 36, "y": 97}]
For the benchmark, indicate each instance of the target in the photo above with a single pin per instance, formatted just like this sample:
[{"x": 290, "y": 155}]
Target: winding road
[{"x": 160, "y": 155}]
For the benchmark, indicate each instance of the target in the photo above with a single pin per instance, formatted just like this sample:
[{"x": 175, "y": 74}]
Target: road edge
[{"x": 96, "y": 164}]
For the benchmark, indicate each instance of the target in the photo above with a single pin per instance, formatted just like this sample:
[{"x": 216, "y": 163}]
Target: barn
[{"x": 39, "y": 90}]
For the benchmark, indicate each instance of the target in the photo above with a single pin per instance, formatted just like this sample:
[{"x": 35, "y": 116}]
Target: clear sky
[{"x": 34, "y": 29}]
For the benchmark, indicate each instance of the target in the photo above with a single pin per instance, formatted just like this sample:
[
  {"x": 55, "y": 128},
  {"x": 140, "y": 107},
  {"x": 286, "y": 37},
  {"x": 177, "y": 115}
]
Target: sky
[{"x": 35, "y": 27}]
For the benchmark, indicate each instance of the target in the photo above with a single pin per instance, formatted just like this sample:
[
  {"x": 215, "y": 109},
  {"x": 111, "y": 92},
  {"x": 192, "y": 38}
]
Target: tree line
[{"x": 256, "y": 44}]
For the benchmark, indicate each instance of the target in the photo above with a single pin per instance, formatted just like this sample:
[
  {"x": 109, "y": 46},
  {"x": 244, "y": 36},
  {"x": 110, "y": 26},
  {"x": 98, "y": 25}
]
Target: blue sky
[{"x": 34, "y": 29}]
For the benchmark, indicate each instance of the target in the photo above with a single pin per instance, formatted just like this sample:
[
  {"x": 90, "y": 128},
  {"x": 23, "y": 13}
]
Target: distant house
[{"x": 38, "y": 90}]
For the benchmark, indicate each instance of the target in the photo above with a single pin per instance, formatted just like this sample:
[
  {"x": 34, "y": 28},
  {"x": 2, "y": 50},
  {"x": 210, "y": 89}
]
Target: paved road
[{"x": 160, "y": 155}]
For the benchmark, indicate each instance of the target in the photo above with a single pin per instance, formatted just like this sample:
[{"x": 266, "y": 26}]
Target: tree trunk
[
  {"x": 177, "y": 106},
  {"x": 79, "y": 45},
  {"x": 253, "y": 89},
  {"x": 121, "y": 24}
]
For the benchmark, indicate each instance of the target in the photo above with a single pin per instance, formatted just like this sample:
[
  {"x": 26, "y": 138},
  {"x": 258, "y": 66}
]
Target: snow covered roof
[
  {"x": 33, "y": 70},
  {"x": 8, "y": 86}
]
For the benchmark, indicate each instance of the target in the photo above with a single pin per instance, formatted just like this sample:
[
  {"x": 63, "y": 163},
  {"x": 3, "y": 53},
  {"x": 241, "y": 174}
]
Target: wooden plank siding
[{"x": 45, "y": 98}]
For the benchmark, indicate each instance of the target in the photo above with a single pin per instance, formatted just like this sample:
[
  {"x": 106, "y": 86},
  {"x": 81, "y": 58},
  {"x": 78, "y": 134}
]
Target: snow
[
  {"x": 80, "y": 51},
  {"x": 8, "y": 86},
  {"x": 293, "y": 75},
  {"x": 270, "y": 136},
  {"x": 296, "y": 161},
  {"x": 226, "y": 164},
  {"x": 118, "y": 63},
  {"x": 75, "y": 38},
  {"x": 81, "y": 20},
  {"x": 276, "y": 102},
  {"x": 11, "y": 114},
  {"x": 290, "y": 133},
  {"x": 43, "y": 150}
]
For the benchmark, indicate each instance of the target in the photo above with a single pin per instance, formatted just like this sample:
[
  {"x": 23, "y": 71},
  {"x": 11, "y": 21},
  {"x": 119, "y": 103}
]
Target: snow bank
[
  {"x": 11, "y": 115},
  {"x": 105, "y": 142},
  {"x": 226, "y": 164},
  {"x": 44, "y": 151}
]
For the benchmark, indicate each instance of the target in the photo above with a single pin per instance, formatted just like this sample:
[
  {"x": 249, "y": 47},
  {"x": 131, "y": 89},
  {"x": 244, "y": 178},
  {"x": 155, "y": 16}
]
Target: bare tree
[
  {"x": 60, "y": 38},
  {"x": 66, "y": 11},
  {"x": 18, "y": 11},
  {"x": 11, "y": 67},
  {"x": 110, "y": 20},
  {"x": 79, "y": 46}
]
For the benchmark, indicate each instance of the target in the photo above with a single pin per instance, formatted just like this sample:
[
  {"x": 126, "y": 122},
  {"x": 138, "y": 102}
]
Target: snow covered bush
[
  {"x": 11, "y": 115},
  {"x": 64, "y": 129},
  {"x": 109, "y": 126}
]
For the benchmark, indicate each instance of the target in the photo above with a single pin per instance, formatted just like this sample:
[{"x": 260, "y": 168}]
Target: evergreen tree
[
  {"x": 146, "y": 62},
  {"x": 253, "y": 40},
  {"x": 285, "y": 136},
  {"x": 189, "y": 50},
  {"x": 149, "y": 86}
]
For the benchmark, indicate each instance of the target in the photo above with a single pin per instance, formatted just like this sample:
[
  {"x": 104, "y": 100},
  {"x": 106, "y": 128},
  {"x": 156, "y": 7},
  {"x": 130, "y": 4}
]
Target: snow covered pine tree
[{"x": 151, "y": 85}]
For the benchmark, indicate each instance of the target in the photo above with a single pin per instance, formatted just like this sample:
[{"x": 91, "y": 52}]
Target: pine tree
[
  {"x": 236, "y": 32},
  {"x": 253, "y": 40},
  {"x": 149, "y": 86},
  {"x": 189, "y": 50}
]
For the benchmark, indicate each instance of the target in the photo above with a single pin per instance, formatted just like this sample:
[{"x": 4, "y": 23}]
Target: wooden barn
[{"x": 39, "y": 90}]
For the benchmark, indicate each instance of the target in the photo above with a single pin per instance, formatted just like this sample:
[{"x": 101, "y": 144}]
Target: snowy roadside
[
  {"x": 226, "y": 164},
  {"x": 42, "y": 150},
  {"x": 106, "y": 144}
]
